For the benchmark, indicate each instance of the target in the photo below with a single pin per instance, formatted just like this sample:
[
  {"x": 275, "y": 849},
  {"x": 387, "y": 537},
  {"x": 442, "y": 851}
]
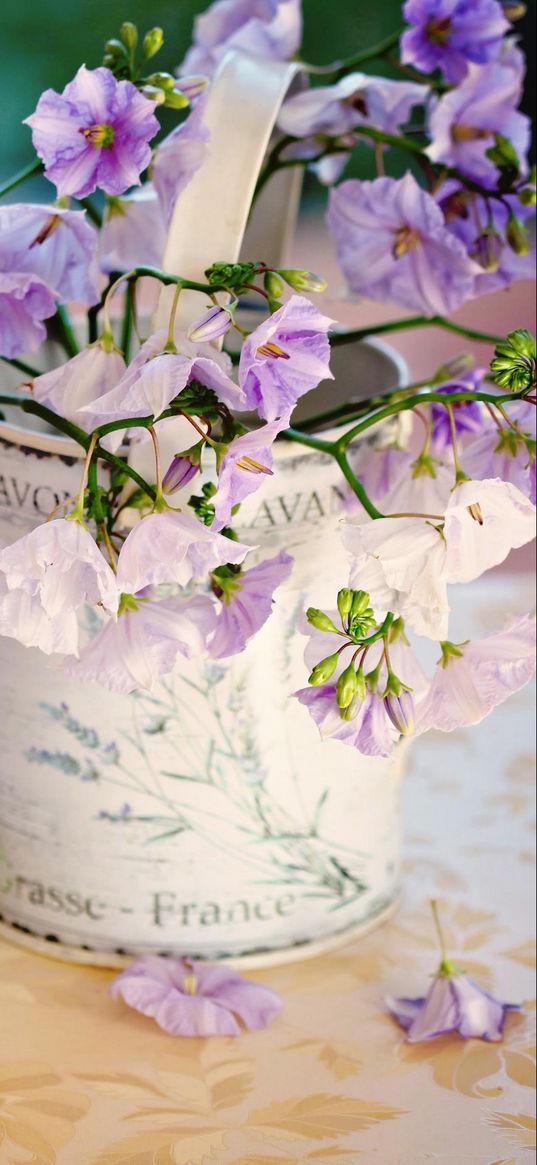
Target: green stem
[
  {"x": 65, "y": 331},
  {"x": 21, "y": 366},
  {"x": 81, "y": 437},
  {"x": 128, "y": 321},
  {"x": 29, "y": 171},
  {"x": 339, "y": 68},
  {"x": 421, "y": 398},
  {"x": 332, "y": 449},
  {"x": 342, "y": 338},
  {"x": 91, "y": 211}
]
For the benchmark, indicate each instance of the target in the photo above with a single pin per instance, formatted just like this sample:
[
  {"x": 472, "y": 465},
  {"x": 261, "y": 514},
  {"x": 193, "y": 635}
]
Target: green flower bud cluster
[
  {"x": 515, "y": 362},
  {"x": 505, "y": 157},
  {"x": 202, "y": 503},
  {"x": 232, "y": 275},
  {"x": 120, "y": 53},
  {"x": 357, "y": 621}
]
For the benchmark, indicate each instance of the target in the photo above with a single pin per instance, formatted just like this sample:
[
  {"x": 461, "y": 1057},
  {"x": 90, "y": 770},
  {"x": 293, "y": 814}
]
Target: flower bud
[
  {"x": 162, "y": 80},
  {"x": 488, "y": 249},
  {"x": 352, "y": 709},
  {"x": 302, "y": 280},
  {"x": 115, "y": 49},
  {"x": 192, "y": 87},
  {"x": 175, "y": 99},
  {"x": 215, "y": 323},
  {"x": 528, "y": 196},
  {"x": 324, "y": 670},
  {"x": 400, "y": 710},
  {"x": 515, "y": 362},
  {"x": 344, "y": 601},
  {"x": 320, "y": 621},
  {"x": 152, "y": 43},
  {"x": 129, "y": 35},
  {"x": 346, "y": 687},
  {"x": 360, "y": 603},
  {"x": 517, "y": 236},
  {"x": 182, "y": 469},
  {"x": 153, "y": 94},
  {"x": 456, "y": 368},
  {"x": 273, "y": 284}
]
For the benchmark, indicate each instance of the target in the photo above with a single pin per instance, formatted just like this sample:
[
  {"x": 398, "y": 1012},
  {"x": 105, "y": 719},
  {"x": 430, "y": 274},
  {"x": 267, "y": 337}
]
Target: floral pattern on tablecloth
[{"x": 84, "y": 1081}]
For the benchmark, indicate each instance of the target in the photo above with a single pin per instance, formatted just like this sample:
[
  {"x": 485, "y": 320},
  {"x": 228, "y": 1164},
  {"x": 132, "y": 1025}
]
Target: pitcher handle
[{"x": 209, "y": 219}]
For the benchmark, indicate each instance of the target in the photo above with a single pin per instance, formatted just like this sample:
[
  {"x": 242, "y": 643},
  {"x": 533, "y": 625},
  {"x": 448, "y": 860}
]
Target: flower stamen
[
  {"x": 406, "y": 239},
  {"x": 100, "y": 136},
  {"x": 251, "y": 466},
  {"x": 47, "y": 230},
  {"x": 476, "y": 513},
  {"x": 270, "y": 349}
]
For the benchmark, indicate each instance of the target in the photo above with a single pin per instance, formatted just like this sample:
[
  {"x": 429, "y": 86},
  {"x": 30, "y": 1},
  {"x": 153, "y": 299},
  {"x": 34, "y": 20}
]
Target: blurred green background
[{"x": 44, "y": 42}]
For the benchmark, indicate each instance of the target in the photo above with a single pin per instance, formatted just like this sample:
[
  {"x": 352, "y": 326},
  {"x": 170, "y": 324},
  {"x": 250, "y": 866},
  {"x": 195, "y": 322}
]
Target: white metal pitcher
[{"x": 205, "y": 817}]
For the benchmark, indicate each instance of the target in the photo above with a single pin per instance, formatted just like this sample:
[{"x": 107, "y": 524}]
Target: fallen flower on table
[
  {"x": 189, "y": 998},
  {"x": 453, "y": 1003}
]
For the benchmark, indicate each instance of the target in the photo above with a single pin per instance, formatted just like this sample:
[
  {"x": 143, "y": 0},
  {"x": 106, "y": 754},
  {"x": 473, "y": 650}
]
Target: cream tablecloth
[{"x": 83, "y": 1081}]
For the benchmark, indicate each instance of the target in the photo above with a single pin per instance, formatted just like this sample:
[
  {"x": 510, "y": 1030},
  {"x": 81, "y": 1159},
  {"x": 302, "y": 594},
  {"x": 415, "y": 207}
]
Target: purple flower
[
  {"x": 94, "y": 134},
  {"x": 188, "y": 998},
  {"x": 463, "y": 213},
  {"x": 155, "y": 377},
  {"x": 472, "y": 678},
  {"x": 393, "y": 243},
  {"x": 246, "y": 603},
  {"x": 59, "y": 566},
  {"x": 215, "y": 323},
  {"x": 447, "y": 34},
  {"x": 133, "y": 232},
  {"x": 506, "y": 453},
  {"x": 264, "y": 28},
  {"x": 464, "y": 123},
  {"x": 178, "y": 157},
  {"x": 69, "y": 388},
  {"x": 172, "y": 548},
  {"x": 453, "y": 1003},
  {"x": 370, "y": 732},
  {"x": 182, "y": 469},
  {"x": 285, "y": 357},
  {"x": 468, "y": 415},
  {"x": 357, "y": 99},
  {"x": 24, "y": 302},
  {"x": 57, "y": 245},
  {"x": 144, "y": 643},
  {"x": 248, "y": 459}
]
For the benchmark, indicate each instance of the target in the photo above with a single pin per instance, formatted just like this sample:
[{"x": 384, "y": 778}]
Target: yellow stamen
[
  {"x": 100, "y": 136},
  {"x": 270, "y": 349},
  {"x": 190, "y": 983},
  {"x": 476, "y": 512},
  {"x": 252, "y": 466},
  {"x": 438, "y": 30},
  {"x": 406, "y": 239},
  {"x": 50, "y": 226},
  {"x": 469, "y": 133}
]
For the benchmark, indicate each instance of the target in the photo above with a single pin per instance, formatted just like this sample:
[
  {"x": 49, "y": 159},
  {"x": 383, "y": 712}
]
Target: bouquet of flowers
[{"x": 443, "y": 503}]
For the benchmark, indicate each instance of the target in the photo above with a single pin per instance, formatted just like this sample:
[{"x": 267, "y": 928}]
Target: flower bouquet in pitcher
[{"x": 173, "y": 395}]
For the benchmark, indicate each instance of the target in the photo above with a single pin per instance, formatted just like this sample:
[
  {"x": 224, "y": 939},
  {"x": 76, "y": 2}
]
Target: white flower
[
  {"x": 67, "y": 390},
  {"x": 172, "y": 548}
]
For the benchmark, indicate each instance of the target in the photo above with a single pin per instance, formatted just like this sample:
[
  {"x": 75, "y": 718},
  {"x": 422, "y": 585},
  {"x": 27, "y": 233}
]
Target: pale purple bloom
[
  {"x": 464, "y": 122},
  {"x": 401, "y": 710},
  {"x": 57, "y": 245},
  {"x": 155, "y": 377},
  {"x": 264, "y": 28},
  {"x": 485, "y": 672},
  {"x": 144, "y": 643},
  {"x": 24, "y": 302},
  {"x": 178, "y": 157},
  {"x": 371, "y": 732},
  {"x": 506, "y": 454},
  {"x": 94, "y": 134},
  {"x": 189, "y": 998},
  {"x": 393, "y": 244},
  {"x": 247, "y": 461},
  {"x": 133, "y": 232},
  {"x": 285, "y": 357},
  {"x": 469, "y": 416},
  {"x": 447, "y": 34},
  {"x": 246, "y": 603},
  {"x": 453, "y": 1003},
  {"x": 464, "y": 211},
  {"x": 484, "y": 521},
  {"x": 382, "y": 469},
  {"x": 68, "y": 389},
  {"x": 60, "y": 567},
  {"x": 406, "y": 563},
  {"x": 172, "y": 548},
  {"x": 357, "y": 99},
  {"x": 22, "y": 617}
]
